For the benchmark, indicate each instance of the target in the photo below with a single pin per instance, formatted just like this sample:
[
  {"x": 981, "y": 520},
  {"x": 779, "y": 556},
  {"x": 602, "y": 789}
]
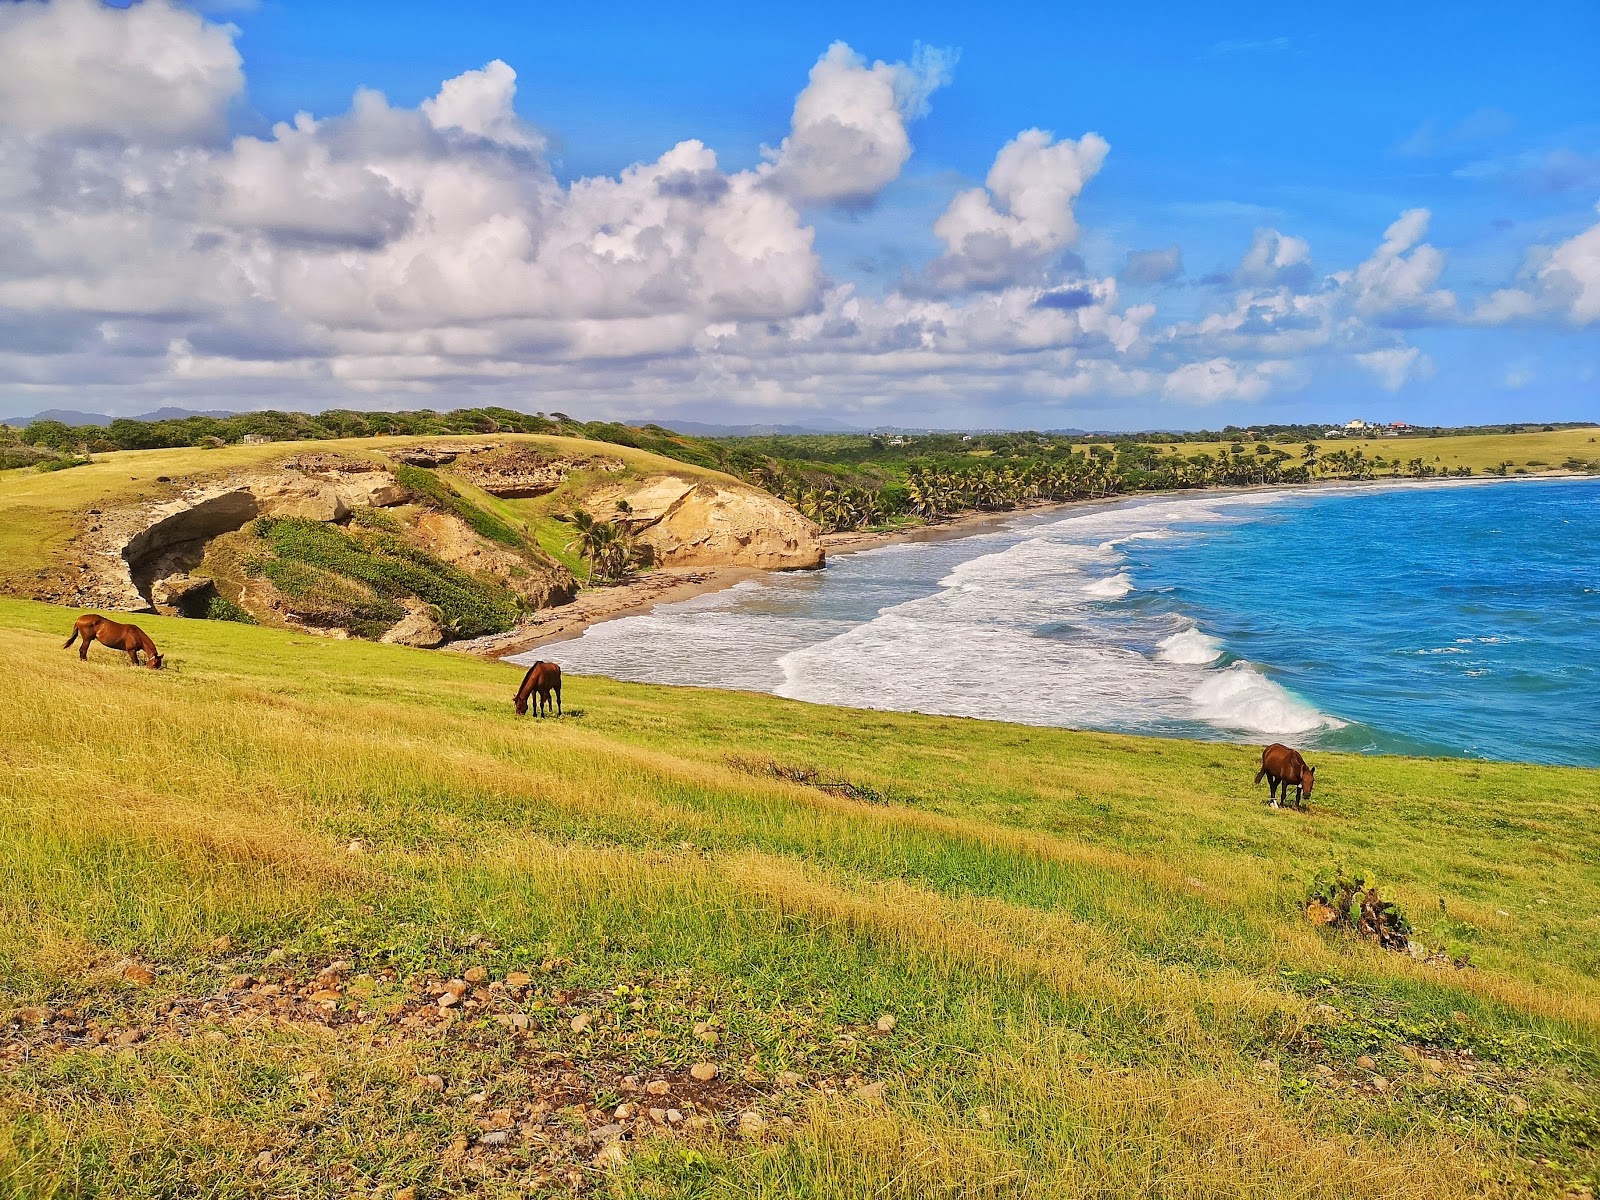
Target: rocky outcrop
[
  {"x": 521, "y": 472},
  {"x": 702, "y": 522},
  {"x": 419, "y": 627},
  {"x": 183, "y": 595},
  {"x": 130, "y": 550}
]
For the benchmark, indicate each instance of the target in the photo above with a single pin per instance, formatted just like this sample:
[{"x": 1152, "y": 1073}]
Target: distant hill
[{"x": 707, "y": 429}]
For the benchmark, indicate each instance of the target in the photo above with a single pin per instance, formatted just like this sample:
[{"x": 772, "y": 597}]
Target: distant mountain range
[{"x": 69, "y": 416}]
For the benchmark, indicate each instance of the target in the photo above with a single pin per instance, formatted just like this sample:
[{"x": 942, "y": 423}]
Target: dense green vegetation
[
  {"x": 360, "y": 575},
  {"x": 927, "y": 956}
]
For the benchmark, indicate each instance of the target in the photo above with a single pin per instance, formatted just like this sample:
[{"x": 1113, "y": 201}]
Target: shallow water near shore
[{"x": 1418, "y": 619}]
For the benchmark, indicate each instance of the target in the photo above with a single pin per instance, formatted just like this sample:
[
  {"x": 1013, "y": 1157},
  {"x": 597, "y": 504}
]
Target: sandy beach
[{"x": 667, "y": 585}]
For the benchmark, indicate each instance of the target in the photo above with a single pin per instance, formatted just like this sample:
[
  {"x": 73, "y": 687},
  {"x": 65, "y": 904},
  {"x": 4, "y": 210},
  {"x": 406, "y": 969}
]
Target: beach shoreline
[{"x": 669, "y": 585}]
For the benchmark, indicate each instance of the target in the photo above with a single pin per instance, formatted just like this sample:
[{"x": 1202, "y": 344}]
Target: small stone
[
  {"x": 495, "y": 1137},
  {"x": 611, "y": 1154},
  {"x": 674, "y": 1117},
  {"x": 1324, "y": 1070},
  {"x": 788, "y": 1079},
  {"x": 1433, "y": 1066},
  {"x": 269, "y": 989},
  {"x": 130, "y": 1037},
  {"x": 625, "y": 1111},
  {"x": 871, "y": 1091},
  {"x": 518, "y": 979},
  {"x": 658, "y": 1115},
  {"x": 886, "y": 1023},
  {"x": 355, "y": 847},
  {"x": 275, "y": 956},
  {"x": 32, "y": 1016},
  {"x": 704, "y": 1072},
  {"x": 456, "y": 987},
  {"x": 326, "y": 996},
  {"x": 1326, "y": 1014},
  {"x": 475, "y": 974},
  {"x": 433, "y": 1083},
  {"x": 658, "y": 1087},
  {"x": 1268, "y": 1065},
  {"x": 406, "y": 1193},
  {"x": 221, "y": 945},
  {"x": 1367, "y": 1063},
  {"x": 239, "y": 983},
  {"x": 581, "y": 1023},
  {"x": 449, "y": 1000},
  {"x": 1379, "y": 1082},
  {"x": 138, "y": 974},
  {"x": 698, "y": 1124},
  {"x": 514, "y": 1020},
  {"x": 751, "y": 1124},
  {"x": 1518, "y": 1104},
  {"x": 263, "y": 1162}
]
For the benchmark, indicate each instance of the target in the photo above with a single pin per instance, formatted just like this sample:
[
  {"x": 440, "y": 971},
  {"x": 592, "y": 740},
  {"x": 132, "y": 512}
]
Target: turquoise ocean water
[{"x": 1413, "y": 618}]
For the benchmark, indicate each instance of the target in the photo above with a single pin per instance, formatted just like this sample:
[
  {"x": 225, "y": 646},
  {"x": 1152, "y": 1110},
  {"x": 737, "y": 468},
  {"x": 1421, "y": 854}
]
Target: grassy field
[
  {"x": 1534, "y": 452},
  {"x": 305, "y": 918}
]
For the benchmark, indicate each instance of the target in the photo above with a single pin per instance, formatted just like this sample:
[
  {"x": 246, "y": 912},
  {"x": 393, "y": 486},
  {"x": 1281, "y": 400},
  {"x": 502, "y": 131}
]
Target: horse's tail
[
  {"x": 70, "y": 640},
  {"x": 1261, "y": 773}
]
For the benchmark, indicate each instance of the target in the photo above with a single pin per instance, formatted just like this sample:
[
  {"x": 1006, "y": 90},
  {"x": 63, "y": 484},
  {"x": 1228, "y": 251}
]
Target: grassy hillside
[
  {"x": 42, "y": 513},
  {"x": 1534, "y": 451},
  {"x": 1002, "y": 962}
]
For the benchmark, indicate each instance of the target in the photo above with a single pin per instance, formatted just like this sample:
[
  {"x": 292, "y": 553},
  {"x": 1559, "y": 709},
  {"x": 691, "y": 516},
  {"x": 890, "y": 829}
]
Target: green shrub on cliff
[
  {"x": 427, "y": 488},
  {"x": 386, "y": 569}
]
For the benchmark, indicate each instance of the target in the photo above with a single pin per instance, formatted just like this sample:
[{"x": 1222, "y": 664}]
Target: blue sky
[{"x": 1315, "y": 130}]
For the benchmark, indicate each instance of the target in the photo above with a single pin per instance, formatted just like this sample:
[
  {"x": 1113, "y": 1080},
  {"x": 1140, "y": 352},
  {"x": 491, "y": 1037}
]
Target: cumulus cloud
[
  {"x": 154, "y": 72},
  {"x": 1395, "y": 285},
  {"x": 848, "y": 138},
  {"x": 1562, "y": 281},
  {"x": 431, "y": 255},
  {"x": 1009, "y": 230},
  {"x": 1153, "y": 266},
  {"x": 1273, "y": 259}
]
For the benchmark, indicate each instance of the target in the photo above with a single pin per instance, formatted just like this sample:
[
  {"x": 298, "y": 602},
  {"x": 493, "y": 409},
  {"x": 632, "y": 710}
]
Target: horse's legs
[
  {"x": 558, "y": 699},
  {"x": 133, "y": 656},
  {"x": 83, "y": 649}
]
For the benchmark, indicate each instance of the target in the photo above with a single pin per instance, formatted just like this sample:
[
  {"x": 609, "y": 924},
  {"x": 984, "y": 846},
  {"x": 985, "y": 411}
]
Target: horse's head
[
  {"x": 156, "y": 661},
  {"x": 522, "y": 705},
  {"x": 1307, "y": 779}
]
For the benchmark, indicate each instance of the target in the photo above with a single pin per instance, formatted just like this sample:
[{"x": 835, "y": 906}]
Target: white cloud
[
  {"x": 1563, "y": 280},
  {"x": 1396, "y": 366},
  {"x": 1007, "y": 231},
  {"x": 1220, "y": 379},
  {"x": 848, "y": 138},
  {"x": 1396, "y": 283},
  {"x": 155, "y": 71},
  {"x": 1153, "y": 266},
  {"x": 1275, "y": 258}
]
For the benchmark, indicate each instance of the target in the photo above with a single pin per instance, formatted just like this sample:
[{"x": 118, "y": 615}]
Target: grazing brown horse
[
  {"x": 1283, "y": 766},
  {"x": 544, "y": 680},
  {"x": 92, "y": 627}
]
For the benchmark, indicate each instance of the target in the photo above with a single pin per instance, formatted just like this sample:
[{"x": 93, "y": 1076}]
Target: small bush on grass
[{"x": 222, "y": 609}]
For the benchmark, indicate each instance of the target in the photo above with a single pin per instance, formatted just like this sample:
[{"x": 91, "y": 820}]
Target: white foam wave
[
  {"x": 1240, "y": 697},
  {"x": 1191, "y": 647},
  {"x": 1111, "y": 587}
]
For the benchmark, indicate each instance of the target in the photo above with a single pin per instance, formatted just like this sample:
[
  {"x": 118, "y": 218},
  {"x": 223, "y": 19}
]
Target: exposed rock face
[
  {"x": 518, "y": 472},
  {"x": 419, "y": 627},
  {"x": 452, "y": 541},
  {"x": 130, "y": 550},
  {"x": 687, "y": 522},
  {"x": 183, "y": 595},
  {"x": 436, "y": 455}
]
